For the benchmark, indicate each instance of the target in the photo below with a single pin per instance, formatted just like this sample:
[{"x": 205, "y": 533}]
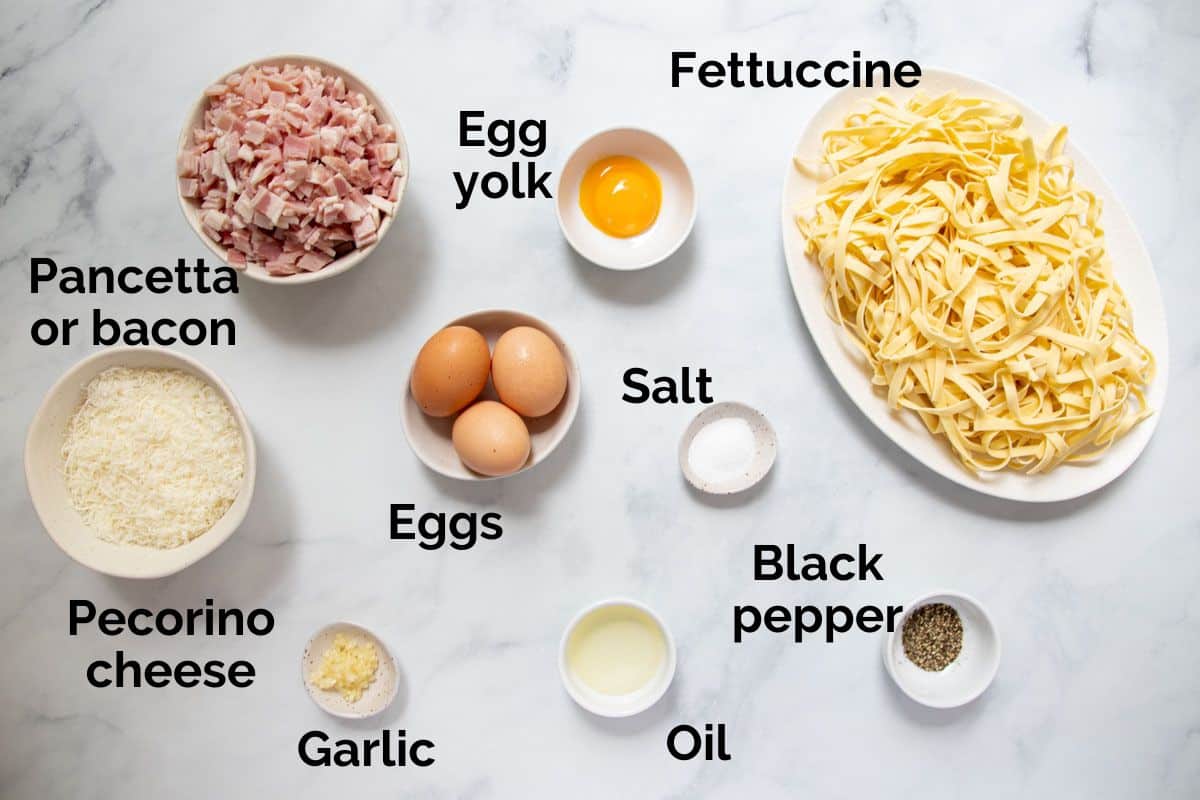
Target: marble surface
[{"x": 1097, "y": 600}]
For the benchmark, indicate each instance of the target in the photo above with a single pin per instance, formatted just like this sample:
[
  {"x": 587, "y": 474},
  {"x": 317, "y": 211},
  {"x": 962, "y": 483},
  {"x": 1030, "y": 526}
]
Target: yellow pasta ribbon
[{"x": 972, "y": 273}]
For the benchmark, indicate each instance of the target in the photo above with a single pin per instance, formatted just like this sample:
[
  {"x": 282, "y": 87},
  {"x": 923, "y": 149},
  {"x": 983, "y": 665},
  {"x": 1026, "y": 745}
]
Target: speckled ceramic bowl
[
  {"x": 765, "y": 447},
  {"x": 378, "y": 696}
]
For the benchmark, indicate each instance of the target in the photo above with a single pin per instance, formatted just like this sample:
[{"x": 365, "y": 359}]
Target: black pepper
[{"x": 933, "y": 636}]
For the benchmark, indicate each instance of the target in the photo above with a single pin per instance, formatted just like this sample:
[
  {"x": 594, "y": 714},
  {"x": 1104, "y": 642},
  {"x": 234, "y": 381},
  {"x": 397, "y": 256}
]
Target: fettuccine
[{"x": 971, "y": 270}]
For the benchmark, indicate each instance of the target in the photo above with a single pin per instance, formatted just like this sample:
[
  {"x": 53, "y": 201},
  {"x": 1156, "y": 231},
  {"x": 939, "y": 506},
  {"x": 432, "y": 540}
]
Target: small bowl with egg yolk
[{"x": 625, "y": 199}]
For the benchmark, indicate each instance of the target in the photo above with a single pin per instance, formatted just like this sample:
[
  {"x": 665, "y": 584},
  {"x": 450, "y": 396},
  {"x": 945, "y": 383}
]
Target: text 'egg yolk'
[{"x": 620, "y": 195}]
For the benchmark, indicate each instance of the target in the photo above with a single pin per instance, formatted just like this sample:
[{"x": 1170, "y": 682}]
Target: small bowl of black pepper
[{"x": 945, "y": 650}]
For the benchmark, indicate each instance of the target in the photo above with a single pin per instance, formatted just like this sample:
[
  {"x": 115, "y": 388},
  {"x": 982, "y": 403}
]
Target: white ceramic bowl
[
  {"x": 765, "y": 447},
  {"x": 377, "y": 697},
  {"x": 606, "y": 705},
  {"x": 967, "y": 676},
  {"x": 429, "y": 437},
  {"x": 191, "y": 209},
  {"x": 47, "y": 489},
  {"x": 675, "y": 218}
]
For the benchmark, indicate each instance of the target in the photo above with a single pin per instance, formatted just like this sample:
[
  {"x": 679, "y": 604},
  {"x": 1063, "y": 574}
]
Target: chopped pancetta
[{"x": 290, "y": 169}]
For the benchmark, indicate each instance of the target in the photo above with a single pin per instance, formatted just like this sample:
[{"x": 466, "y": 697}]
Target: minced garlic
[{"x": 348, "y": 667}]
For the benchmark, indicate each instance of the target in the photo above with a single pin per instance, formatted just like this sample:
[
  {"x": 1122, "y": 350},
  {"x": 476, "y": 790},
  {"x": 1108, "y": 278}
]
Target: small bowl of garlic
[{"x": 349, "y": 672}]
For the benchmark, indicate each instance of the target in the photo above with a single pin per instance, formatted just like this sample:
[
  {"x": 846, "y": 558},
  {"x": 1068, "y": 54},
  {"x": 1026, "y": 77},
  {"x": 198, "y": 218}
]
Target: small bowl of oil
[
  {"x": 625, "y": 199},
  {"x": 616, "y": 658}
]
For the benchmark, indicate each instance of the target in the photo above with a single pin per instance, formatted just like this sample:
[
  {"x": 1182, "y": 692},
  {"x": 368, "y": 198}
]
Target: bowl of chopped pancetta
[{"x": 291, "y": 169}]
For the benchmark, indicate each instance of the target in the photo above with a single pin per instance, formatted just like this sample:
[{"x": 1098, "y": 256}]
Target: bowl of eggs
[
  {"x": 625, "y": 199},
  {"x": 491, "y": 394}
]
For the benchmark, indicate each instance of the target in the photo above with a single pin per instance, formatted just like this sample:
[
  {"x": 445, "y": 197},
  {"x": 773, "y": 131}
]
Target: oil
[{"x": 616, "y": 649}]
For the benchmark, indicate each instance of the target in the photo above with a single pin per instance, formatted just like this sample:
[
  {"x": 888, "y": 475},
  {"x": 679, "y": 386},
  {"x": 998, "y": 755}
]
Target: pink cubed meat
[{"x": 289, "y": 169}]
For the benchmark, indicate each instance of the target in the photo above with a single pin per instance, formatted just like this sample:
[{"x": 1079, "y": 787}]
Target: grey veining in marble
[{"x": 1097, "y": 600}]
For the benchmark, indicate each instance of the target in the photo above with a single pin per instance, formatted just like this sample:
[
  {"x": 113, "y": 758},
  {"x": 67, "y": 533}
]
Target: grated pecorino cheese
[{"x": 152, "y": 457}]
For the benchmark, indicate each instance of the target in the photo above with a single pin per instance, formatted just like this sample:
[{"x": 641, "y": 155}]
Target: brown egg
[
  {"x": 528, "y": 372},
  {"x": 451, "y": 370},
  {"x": 491, "y": 439}
]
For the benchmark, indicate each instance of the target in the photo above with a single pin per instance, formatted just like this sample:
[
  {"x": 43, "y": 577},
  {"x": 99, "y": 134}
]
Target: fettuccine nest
[{"x": 972, "y": 273}]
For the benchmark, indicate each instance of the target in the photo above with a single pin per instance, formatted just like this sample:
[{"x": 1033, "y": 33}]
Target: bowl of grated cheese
[{"x": 139, "y": 462}]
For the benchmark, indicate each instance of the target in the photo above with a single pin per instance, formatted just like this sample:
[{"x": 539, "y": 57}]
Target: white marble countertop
[{"x": 1097, "y": 600}]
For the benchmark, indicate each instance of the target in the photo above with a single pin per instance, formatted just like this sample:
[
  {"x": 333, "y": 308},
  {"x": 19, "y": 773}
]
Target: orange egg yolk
[{"x": 621, "y": 196}]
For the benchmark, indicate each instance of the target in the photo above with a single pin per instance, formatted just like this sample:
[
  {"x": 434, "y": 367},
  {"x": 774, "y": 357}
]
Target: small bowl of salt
[{"x": 728, "y": 448}]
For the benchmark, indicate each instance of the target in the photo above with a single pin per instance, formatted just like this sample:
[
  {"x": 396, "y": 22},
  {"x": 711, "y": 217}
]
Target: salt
[{"x": 722, "y": 450}]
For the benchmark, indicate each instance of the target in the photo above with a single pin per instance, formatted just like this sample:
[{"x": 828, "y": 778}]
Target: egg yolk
[{"x": 621, "y": 196}]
